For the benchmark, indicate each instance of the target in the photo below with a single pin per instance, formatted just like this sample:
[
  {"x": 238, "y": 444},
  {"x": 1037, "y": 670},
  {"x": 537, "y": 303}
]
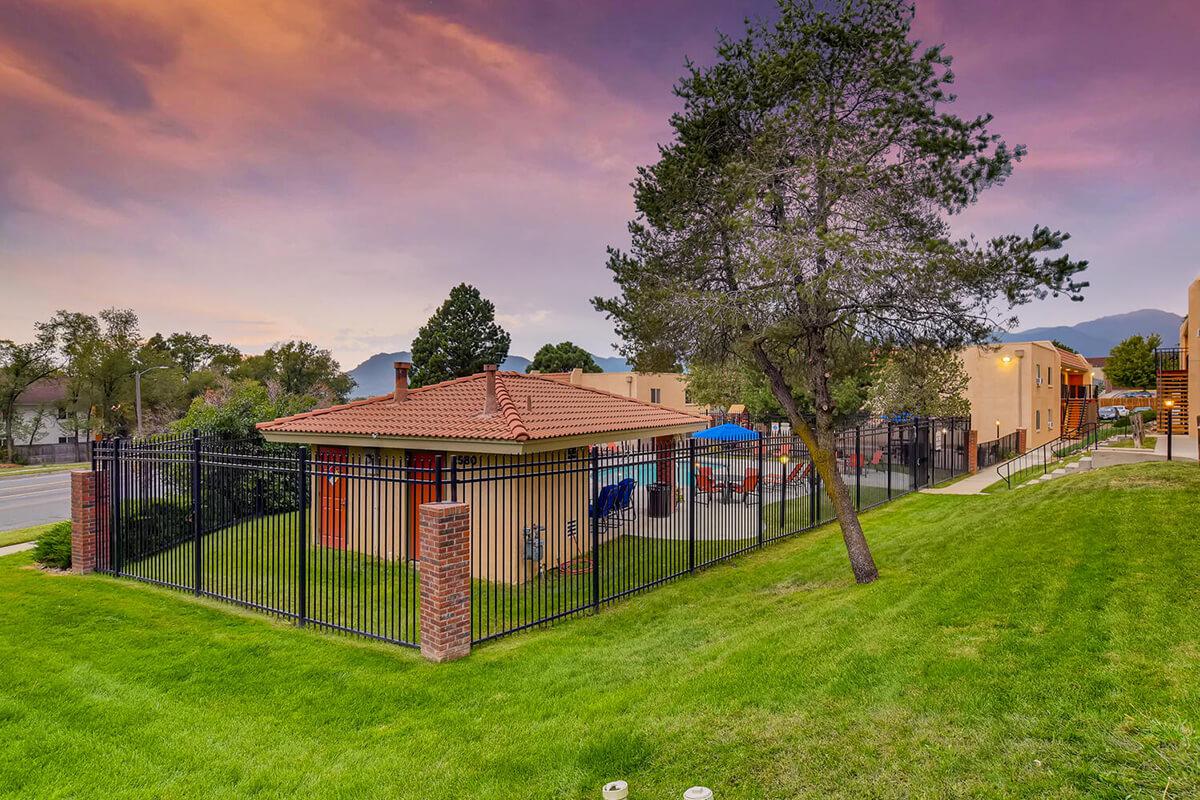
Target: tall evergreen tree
[
  {"x": 800, "y": 212},
  {"x": 459, "y": 339},
  {"x": 562, "y": 357}
]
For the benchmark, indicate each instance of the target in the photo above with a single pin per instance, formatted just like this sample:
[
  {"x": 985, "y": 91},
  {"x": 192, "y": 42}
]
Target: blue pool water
[{"x": 647, "y": 473}]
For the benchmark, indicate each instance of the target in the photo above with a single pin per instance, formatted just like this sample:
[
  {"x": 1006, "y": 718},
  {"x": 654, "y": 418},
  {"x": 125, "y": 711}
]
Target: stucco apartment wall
[
  {"x": 1008, "y": 393},
  {"x": 1189, "y": 340},
  {"x": 671, "y": 386}
]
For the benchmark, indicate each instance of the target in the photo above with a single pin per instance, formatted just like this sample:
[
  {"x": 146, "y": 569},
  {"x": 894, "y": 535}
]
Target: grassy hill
[{"x": 1042, "y": 643}]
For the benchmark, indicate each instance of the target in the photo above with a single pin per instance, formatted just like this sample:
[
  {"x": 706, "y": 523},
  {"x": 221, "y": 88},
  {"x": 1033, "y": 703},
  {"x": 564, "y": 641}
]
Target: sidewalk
[
  {"x": 16, "y": 548},
  {"x": 1182, "y": 447},
  {"x": 973, "y": 484}
]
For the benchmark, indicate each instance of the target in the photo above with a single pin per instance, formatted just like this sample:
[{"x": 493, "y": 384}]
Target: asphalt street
[{"x": 34, "y": 500}]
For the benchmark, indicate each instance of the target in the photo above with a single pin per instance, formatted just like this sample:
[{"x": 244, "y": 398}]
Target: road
[{"x": 34, "y": 500}]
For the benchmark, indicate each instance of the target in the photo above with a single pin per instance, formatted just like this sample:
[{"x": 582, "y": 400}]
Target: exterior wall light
[{"x": 1006, "y": 359}]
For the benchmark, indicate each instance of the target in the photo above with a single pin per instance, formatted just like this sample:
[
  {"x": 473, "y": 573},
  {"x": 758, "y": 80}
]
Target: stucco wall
[
  {"x": 1009, "y": 392},
  {"x": 1189, "y": 339},
  {"x": 672, "y": 386},
  {"x": 550, "y": 490}
]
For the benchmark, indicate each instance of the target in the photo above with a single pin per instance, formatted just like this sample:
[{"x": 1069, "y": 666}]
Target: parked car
[
  {"x": 1141, "y": 410},
  {"x": 1122, "y": 411},
  {"x": 1107, "y": 412}
]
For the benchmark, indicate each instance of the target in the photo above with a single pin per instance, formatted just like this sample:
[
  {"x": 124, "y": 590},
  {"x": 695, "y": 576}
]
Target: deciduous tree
[
  {"x": 801, "y": 209},
  {"x": 1130, "y": 364}
]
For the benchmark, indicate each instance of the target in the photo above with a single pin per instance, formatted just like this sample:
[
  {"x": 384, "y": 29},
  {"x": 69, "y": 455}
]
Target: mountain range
[
  {"x": 376, "y": 376},
  {"x": 1097, "y": 337}
]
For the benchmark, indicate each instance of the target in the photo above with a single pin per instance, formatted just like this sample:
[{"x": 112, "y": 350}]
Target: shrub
[
  {"x": 150, "y": 526},
  {"x": 53, "y": 548},
  {"x": 1121, "y": 422},
  {"x": 1149, "y": 416}
]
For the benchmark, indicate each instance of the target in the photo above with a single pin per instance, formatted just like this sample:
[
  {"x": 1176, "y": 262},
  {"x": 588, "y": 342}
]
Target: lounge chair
[
  {"x": 623, "y": 510},
  {"x": 797, "y": 478},
  {"x": 748, "y": 488},
  {"x": 601, "y": 510},
  {"x": 706, "y": 486}
]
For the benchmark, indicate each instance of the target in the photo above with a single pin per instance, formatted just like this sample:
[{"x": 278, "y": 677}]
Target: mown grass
[
  {"x": 19, "y": 535},
  {"x": 1040, "y": 644}
]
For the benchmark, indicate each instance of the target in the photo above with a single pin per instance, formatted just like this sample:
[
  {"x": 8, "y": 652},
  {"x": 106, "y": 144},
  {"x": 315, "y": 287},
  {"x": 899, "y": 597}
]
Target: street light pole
[
  {"x": 1170, "y": 406},
  {"x": 137, "y": 395}
]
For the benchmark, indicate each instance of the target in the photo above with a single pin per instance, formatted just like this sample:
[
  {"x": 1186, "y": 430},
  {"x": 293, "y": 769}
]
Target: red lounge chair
[
  {"x": 706, "y": 486},
  {"x": 748, "y": 488},
  {"x": 798, "y": 477}
]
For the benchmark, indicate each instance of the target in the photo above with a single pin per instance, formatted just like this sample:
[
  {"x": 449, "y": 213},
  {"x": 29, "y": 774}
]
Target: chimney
[
  {"x": 490, "y": 405},
  {"x": 401, "y": 392}
]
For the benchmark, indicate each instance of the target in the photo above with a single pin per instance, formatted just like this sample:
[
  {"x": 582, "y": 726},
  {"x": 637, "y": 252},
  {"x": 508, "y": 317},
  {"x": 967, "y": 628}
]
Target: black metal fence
[
  {"x": 997, "y": 450},
  {"x": 331, "y": 538}
]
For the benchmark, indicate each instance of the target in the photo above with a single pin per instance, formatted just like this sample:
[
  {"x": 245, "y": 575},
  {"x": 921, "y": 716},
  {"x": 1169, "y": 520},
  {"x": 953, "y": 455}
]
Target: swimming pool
[{"x": 646, "y": 473}]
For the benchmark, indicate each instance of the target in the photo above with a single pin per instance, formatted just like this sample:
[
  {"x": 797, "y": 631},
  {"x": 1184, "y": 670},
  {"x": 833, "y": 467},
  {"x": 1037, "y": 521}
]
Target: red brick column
[
  {"x": 973, "y": 452},
  {"x": 445, "y": 580},
  {"x": 87, "y": 495},
  {"x": 1022, "y": 440}
]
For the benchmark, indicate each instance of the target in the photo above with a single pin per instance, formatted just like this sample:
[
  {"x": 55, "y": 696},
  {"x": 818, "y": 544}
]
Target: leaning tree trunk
[{"x": 822, "y": 446}]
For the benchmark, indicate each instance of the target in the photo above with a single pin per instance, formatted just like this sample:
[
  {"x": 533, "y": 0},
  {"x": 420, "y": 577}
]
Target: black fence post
[
  {"x": 858, "y": 467},
  {"x": 814, "y": 486},
  {"x": 302, "y": 535},
  {"x": 197, "y": 508},
  {"x": 889, "y": 460},
  {"x": 762, "y": 444},
  {"x": 441, "y": 478},
  {"x": 783, "y": 484},
  {"x": 913, "y": 456},
  {"x": 115, "y": 495},
  {"x": 691, "y": 505},
  {"x": 595, "y": 524},
  {"x": 454, "y": 479}
]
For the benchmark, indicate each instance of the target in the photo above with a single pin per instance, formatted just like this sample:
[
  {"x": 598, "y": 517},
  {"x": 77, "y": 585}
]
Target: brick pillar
[
  {"x": 973, "y": 452},
  {"x": 1022, "y": 440},
  {"x": 86, "y": 502},
  {"x": 445, "y": 580}
]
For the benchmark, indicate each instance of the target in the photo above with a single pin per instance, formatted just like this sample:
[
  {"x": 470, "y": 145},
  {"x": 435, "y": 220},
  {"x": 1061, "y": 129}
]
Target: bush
[
  {"x": 1121, "y": 422},
  {"x": 53, "y": 548},
  {"x": 148, "y": 527},
  {"x": 1149, "y": 416}
]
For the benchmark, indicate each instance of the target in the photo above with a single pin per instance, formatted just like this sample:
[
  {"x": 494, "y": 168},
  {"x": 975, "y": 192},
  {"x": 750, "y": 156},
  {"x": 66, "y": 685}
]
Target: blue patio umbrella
[{"x": 727, "y": 433}]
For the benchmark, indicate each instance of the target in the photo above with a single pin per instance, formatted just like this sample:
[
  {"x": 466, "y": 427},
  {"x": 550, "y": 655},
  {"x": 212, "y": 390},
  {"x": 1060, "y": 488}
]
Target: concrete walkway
[
  {"x": 973, "y": 484},
  {"x": 1182, "y": 447},
  {"x": 15, "y": 548}
]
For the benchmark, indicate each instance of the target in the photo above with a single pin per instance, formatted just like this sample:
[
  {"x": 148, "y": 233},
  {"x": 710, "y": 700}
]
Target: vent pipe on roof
[
  {"x": 490, "y": 404},
  {"x": 400, "y": 394}
]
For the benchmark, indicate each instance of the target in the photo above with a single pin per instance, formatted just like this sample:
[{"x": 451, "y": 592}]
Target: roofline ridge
[
  {"x": 316, "y": 412},
  {"x": 511, "y": 416}
]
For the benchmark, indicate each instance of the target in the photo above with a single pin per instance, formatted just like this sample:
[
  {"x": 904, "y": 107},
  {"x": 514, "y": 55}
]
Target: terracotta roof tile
[{"x": 530, "y": 407}]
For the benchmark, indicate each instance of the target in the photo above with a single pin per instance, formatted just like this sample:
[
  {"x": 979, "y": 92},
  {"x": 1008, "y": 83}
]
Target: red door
[
  {"x": 423, "y": 474},
  {"x": 331, "y": 468}
]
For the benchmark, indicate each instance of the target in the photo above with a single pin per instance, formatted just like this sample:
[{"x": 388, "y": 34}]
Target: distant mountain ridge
[
  {"x": 1097, "y": 337},
  {"x": 375, "y": 376}
]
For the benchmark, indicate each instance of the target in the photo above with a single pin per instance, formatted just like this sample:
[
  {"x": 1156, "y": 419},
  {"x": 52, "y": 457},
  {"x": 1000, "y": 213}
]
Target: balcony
[
  {"x": 1171, "y": 364},
  {"x": 1170, "y": 359}
]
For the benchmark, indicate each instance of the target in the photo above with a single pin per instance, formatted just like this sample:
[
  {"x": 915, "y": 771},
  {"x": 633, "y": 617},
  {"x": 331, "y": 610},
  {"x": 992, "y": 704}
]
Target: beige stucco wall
[
  {"x": 1189, "y": 340},
  {"x": 672, "y": 387},
  {"x": 1009, "y": 392},
  {"x": 550, "y": 490}
]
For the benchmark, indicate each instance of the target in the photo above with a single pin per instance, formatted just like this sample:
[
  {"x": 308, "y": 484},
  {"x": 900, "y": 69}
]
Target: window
[
  {"x": 1038, "y": 372},
  {"x": 62, "y": 413},
  {"x": 1038, "y": 419},
  {"x": 656, "y": 395},
  {"x": 1050, "y": 418},
  {"x": 687, "y": 396},
  {"x": 62, "y": 440},
  {"x": 1049, "y": 380}
]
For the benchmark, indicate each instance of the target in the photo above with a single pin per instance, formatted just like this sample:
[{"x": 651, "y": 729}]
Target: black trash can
[{"x": 658, "y": 502}]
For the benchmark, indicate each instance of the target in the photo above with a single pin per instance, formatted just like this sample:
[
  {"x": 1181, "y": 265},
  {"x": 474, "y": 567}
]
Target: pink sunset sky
[{"x": 328, "y": 169}]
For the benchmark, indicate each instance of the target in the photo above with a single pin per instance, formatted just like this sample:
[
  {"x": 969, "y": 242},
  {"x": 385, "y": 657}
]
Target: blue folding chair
[
  {"x": 602, "y": 508},
  {"x": 623, "y": 505}
]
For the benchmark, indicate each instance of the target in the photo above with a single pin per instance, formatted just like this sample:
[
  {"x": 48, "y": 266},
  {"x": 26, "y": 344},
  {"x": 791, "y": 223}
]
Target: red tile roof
[{"x": 530, "y": 407}]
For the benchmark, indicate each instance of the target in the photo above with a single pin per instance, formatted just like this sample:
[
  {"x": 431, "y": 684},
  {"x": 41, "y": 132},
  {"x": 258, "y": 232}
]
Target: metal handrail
[
  {"x": 1085, "y": 437},
  {"x": 1170, "y": 359}
]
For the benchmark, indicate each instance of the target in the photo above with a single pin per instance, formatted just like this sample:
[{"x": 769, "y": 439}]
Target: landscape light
[{"x": 783, "y": 459}]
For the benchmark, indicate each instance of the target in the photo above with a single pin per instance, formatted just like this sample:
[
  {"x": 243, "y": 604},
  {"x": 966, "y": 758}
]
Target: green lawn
[
  {"x": 1148, "y": 442},
  {"x": 1036, "y": 644},
  {"x": 41, "y": 469},
  {"x": 24, "y": 534}
]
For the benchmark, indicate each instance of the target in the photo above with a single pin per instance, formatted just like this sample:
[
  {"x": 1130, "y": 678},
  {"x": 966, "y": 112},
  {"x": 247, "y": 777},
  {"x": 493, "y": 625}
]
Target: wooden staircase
[
  {"x": 1173, "y": 385},
  {"x": 1073, "y": 415}
]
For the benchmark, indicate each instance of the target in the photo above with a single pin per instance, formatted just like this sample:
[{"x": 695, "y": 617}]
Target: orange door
[
  {"x": 423, "y": 474},
  {"x": 331, "y": 469}
]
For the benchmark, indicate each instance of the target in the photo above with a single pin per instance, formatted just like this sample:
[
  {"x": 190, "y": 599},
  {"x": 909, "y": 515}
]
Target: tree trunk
[
  {"x": 822, "y": 446},
  {"x": 8, "y": 433}
]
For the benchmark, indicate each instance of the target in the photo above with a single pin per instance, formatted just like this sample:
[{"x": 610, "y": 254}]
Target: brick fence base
[
  {"x": 445, "y": 541},
  {"x": 973, "y": 452},
  {"x": 86, "y": 503}
]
